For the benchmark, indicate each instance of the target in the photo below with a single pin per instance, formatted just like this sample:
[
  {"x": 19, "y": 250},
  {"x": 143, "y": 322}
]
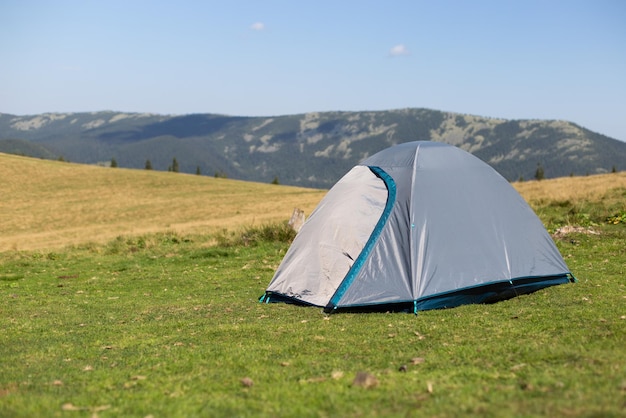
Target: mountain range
[{"x": 312, "y": 149}]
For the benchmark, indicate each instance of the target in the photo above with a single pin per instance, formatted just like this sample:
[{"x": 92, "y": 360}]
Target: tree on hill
[
  {"x": 198, "y": 172},
  {"x": 113, "y": 162},
  {"x": 275, "y": 181},
  {"x": 539, "y": 174},
  {"x": 174, "y": 167},
  {"x": 148, "y": 165}
]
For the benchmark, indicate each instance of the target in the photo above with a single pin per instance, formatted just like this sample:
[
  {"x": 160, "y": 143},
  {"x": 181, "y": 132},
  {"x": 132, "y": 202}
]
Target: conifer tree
[
  {"x": 113, "y": 162},
  {"x": 148, "y": 165},
  {"x": 539, "y": 174}
]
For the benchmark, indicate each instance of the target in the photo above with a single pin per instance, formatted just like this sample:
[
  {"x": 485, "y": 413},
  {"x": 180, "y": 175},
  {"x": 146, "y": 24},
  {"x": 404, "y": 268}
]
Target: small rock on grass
[{"x": 365, "y": 380}]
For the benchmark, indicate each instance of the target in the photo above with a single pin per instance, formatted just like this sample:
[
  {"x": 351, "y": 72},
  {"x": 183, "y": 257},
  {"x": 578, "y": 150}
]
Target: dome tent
[{"x": 420, "y": 225}]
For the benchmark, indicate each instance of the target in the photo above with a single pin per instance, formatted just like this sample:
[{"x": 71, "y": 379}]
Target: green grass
[
  {"x": 610, "y": 208},
  {"x": 168, "y": 325}
]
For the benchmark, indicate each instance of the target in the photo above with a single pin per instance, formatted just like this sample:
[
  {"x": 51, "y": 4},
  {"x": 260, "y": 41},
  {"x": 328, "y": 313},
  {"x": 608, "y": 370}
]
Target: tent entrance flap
[
  {"x": 340, "y": 227},
  {"x": 367, "y": 249}
]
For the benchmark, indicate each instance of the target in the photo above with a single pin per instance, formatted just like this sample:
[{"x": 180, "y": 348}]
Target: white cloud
[
  {"x": 257, "y": 26},
  {"x": 398, "y": 50}
]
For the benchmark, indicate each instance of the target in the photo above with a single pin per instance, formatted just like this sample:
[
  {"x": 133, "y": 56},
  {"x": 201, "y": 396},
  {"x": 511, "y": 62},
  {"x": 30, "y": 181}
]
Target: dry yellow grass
[
  {"x": 592, "y": 188},
  {"x": 50, "y": 204}
]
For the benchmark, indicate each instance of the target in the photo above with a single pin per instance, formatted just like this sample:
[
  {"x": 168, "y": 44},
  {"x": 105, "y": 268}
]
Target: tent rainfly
[{"x": 420, "y": 225}]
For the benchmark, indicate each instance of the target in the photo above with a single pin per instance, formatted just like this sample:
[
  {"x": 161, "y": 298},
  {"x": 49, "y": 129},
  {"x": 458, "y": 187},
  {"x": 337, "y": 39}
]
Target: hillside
[
  {"x": 313, "y": 149},
  {"x": 51, "y": 204},
  {"x": 21, "y": 147}
]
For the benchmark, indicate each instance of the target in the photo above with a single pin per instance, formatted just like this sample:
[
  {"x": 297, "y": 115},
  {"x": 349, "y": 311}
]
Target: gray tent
[{"x": 417, "y": 226}]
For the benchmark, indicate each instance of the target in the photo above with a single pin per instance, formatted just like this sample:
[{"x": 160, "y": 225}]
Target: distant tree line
[
  {"x": 174, "y": 167},
  {"x": 540, "y": 173}
]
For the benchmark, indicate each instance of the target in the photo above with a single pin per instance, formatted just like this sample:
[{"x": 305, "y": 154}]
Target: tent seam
[{"x": 412, "y": 273}]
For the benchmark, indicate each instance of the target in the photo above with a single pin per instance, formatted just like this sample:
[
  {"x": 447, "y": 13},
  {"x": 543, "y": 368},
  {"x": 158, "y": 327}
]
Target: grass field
[
  {"x": 158, "y": 316},
  {"x": 50, "y": 204}
]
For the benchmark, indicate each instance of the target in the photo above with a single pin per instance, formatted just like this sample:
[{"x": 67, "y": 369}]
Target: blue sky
[{"x": 526, "y": 59}]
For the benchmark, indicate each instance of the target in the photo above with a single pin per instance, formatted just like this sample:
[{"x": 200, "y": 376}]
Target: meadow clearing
[
  {"x": 135, "y": 293},
  {"x": 50, "y": 204}
]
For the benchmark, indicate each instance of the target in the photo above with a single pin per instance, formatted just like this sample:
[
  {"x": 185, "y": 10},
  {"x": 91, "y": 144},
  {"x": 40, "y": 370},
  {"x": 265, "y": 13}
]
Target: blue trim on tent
[
  {"x": 272, "y": 297},
  {"x": 491, "y": 292},
  {"x": 358, "y": 264},
  {"x": 480, "y": 294}
]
